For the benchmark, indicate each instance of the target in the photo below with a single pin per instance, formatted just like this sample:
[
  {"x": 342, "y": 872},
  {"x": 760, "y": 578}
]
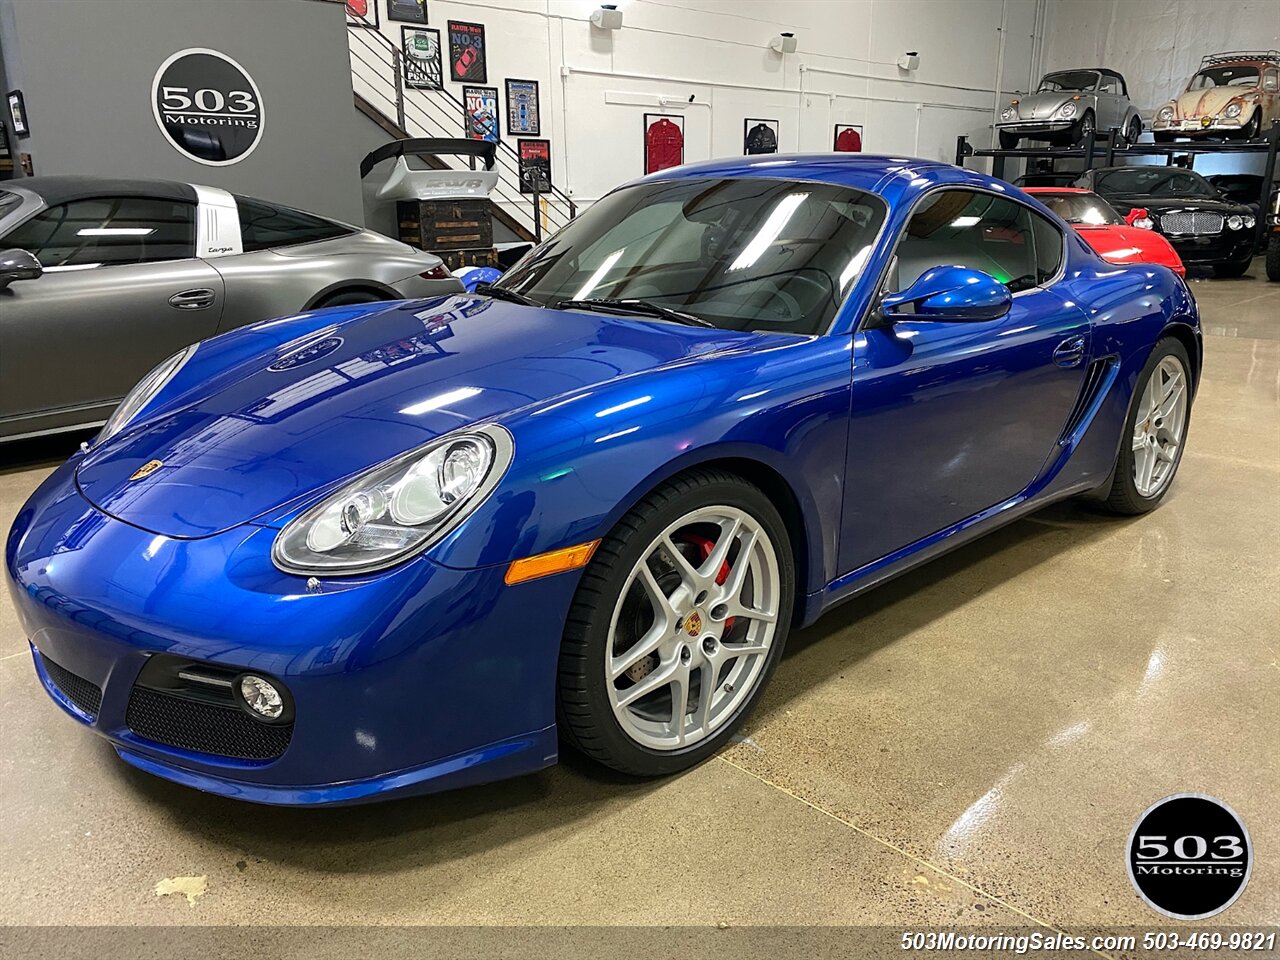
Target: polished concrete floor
[{"x": 969, "y": 745}]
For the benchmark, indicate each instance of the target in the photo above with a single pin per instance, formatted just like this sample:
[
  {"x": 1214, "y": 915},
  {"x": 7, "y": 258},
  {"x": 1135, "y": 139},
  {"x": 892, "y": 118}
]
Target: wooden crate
[
  {"x": 440, "y": 225},
  {"x": 453, "y": 259}
]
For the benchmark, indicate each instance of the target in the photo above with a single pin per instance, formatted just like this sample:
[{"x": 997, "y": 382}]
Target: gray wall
[{"x": 85, "y": 69}]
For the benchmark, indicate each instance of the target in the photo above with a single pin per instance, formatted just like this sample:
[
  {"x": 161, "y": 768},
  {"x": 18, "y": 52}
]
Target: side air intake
[{"x": 1097, "y": 376}]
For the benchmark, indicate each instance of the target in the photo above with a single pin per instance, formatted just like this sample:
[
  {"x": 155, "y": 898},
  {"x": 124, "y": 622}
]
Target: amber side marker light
[{"x": 545, "y": 564}]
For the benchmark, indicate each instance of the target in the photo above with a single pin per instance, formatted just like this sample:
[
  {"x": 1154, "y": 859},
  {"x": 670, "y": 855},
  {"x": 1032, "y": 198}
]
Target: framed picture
[
  {"x": 481, "y": 106},
  {"x": 848, "y": 138},
  {"x": 759, "y": 136},
  {"x": 362, "y": 13},
  {"x": 407, "y": 11},
  {"x": 522, "y": 107},
  {"x": 421, "y": 65},
  {"x": 663, "y": 141},
  {"x": 535, "y": 166},
  {"x": 467, "y": 61},
  {"x": 18, "y": 114}
]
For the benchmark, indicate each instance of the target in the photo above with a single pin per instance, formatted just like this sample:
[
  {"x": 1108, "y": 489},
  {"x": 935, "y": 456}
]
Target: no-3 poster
[
  {"x": 759, "y": 136},
  {"x": 848, "y": 138},
  {"x": 663, "y": 141},
  {"x": 362, "y": 13},
  {"x": 467, "y": 62},
  {"x": 421, "y": 47},
  {"x": 535, "y": 166},
  {"x": 522, "y": 107},
  {"x": 481, "y": 104}
]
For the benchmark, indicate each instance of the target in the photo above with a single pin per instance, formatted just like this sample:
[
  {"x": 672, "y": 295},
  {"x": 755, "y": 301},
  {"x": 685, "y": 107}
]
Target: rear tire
[
  {"x": 349, "y": 298},
  {"x": 620, "y": 636},
  {"x": 1273, "y": 257},
  {"x": 1155, "y": 433},
  {"x": 1229, "y": 270}
]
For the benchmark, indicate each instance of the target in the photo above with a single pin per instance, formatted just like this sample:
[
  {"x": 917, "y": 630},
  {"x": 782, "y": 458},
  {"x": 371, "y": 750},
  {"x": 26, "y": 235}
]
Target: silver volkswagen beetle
[
  {"x": 1070, "y": 107},
  {"x": 102, "y": 279}
]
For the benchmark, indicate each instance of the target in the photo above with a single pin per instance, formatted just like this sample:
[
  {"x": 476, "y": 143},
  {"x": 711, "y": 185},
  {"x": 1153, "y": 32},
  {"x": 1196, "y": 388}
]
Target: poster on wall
[
  {"x": 848, "y": 138},
  {"x": 207, "y": 106},
  {"x": 467, "y": 53},
  {"x": 759, "y": 136},
  {"x": 663, "y": 141},
  {"x": 18, "y": 114},
  {"x": 362, "y": 13},
  {"x": 422, "y": 70},
  {"x": 535, "y": 166},
  {"x": 407, "y": 11},
  {"x": 481, "y": 105},
  {"x": 522, "y": 107}
]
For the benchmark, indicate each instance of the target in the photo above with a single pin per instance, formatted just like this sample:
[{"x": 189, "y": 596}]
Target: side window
[
  {"x": 108, "y": 231},
  {"x": 981, "y": 231},
  {"x": 1049, "y": 248},
  {"x": 266, "y": 225},
  {"x": 1108, "y": 85},
  {"x": 1271, "y": 80}
]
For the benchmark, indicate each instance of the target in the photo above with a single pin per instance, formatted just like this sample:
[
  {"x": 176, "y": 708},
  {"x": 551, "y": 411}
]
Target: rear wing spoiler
[{"x": 445, "y": 183}]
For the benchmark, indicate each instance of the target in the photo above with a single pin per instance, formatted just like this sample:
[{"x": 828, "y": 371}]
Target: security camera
[
  {"x": 783, "y": 43},
  {"x": 608, "y": 17}
]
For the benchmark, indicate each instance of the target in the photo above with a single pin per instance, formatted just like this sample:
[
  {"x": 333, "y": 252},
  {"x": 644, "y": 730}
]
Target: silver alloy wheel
[
  {"x": 1159, "y": 427},
  {"x": 689, "y": 638}
]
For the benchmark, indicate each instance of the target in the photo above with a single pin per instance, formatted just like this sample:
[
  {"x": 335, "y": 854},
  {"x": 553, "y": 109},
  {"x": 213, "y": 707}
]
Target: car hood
[
  {"x": 1042, "y": 106},
  {"x": 1124, "y": 202},
  {"x": 1207, "y": 103},
  {"x": 300, "y": 419},
  {"x": 1119, "y": 243}
]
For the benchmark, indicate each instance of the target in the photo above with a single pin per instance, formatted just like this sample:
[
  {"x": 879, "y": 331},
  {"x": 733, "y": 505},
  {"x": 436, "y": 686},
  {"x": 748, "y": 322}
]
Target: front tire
[
  {"x": 676, "y": 626},
  {"x": 1253, "y": 129},
  {"x": 1086, "y": 130},
  {"x": 1009, "y": 141},
  {"x": 1273, "y": 257},
  {"x": 1155, "y": 431},
  {"x": 1230, "y": 270},
  {"x": 1133, "y": 133}
]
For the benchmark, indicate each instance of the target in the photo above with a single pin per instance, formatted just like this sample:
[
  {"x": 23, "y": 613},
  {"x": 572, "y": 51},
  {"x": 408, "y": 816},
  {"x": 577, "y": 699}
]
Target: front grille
[
  {"x": 225, "y": 731},
  {"x": 84, "y": 694},
  {"x": 1196, "y": 222}
]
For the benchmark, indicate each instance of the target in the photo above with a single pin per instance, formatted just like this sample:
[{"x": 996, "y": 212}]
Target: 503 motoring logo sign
[
  {"x": 207, "y": 106},
  {"x": 1189, "y": 856}
]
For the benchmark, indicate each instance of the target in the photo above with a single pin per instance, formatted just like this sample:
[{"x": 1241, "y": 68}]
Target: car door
[
  {"x": 950, "y": 419},
  {"x": 122, "y": 289},
  {"x": 1110, "y": 108}
]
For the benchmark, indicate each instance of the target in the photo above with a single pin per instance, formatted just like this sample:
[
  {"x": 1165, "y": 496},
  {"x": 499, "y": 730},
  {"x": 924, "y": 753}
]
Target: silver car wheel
[
  {"x": 1159, "y": 427},
  {"x": 692, "y": 628}
]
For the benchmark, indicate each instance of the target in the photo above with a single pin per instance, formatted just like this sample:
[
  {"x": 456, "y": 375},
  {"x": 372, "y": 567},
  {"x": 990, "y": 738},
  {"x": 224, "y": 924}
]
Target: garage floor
[{"x": 969, "y": 745}]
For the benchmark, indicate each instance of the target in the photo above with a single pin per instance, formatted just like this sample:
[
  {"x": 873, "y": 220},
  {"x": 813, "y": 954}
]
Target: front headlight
[
  {"x": 1165, "y": 113},
  {"x": 1232, "y": 111},
  {"x": 396, "y": 509},
  {"x": 1067, "y": 110},
  {"x": 144, "y": 393},
  {"x": 1249, "y": 221},
  {"x": 1235, "y": 222},
  {"x": 1144, "y": 223},
  {"x": 1007, "y": 113}
]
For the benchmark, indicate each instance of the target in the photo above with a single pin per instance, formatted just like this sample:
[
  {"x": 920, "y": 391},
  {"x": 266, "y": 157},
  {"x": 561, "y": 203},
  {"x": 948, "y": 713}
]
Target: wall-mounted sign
[
  {"x": 18, "y": 113},
  {"x": 207, "y": 106}
]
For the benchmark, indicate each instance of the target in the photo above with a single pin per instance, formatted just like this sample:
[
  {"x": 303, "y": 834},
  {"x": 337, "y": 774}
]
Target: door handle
[
  {"x": 197, "y": 299},
  {"x": 1070, "y": 352}
]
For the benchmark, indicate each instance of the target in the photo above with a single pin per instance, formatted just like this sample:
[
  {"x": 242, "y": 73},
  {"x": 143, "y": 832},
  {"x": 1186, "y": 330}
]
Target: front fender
[{"x": 583, "y": 461}]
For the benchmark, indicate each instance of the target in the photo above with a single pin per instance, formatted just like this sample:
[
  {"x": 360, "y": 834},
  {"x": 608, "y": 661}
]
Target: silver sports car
[
  {"x": 101, "y": 279},
  {"x": 1070, "y": 107}
]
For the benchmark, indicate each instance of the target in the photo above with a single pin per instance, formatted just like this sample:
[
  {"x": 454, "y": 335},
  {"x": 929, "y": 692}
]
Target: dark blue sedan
[{"x": 385, "y": 549}]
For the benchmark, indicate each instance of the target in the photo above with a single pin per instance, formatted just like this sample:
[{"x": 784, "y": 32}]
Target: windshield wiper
[
  {"x": 502, "y": 293},
  {"x": 641, "y": 308}
]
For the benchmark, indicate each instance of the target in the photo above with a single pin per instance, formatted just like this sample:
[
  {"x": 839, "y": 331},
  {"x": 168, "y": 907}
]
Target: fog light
[{"x": 261, "y": 696}]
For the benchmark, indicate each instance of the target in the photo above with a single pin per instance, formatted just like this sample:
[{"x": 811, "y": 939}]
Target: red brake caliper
[{"x": 705, "y": 547}]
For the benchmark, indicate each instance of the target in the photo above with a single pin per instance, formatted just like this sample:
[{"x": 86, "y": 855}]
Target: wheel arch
[
  {"x": 380, "y": 290},
  {"x": 1184, "y": 333}
]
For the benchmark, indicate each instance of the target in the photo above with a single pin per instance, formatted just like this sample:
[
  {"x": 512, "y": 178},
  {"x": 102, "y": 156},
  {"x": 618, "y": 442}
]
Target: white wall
[
  {"x": 1156, "y": 44},
  {"x": 596, "y": 85}
]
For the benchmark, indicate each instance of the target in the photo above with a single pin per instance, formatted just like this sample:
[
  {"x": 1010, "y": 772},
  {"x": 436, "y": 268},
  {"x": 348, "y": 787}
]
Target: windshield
[
  {"x": 1083, "y": 208},
  {"x": 1153, "y": 182},
  {"x": 1068, "y": 80},
  {"x": 1236, "y": 76},
  {"x": 742, "y": 254}
]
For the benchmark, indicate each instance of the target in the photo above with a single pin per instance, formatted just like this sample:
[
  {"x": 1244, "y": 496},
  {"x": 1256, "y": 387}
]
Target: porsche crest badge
[{"x": 146, "y": 470}]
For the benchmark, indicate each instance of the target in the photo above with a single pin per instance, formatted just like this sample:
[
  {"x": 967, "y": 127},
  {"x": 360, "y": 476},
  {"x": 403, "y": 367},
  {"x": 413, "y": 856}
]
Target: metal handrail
[{"x": 509, "y": 159}]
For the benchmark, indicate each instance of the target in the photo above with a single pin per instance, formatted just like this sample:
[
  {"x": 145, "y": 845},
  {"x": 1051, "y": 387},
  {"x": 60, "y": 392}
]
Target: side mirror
[
  {"x": 18, "y": 265},
  {"x": 1139, "y": 217},
  {"x": 949, "y": 295}
]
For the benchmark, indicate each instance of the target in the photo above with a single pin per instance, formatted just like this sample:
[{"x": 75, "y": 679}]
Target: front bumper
[
  {"x": 1195, "y": 126},
  {"x": 1230, "y": 246},
  {"x": 419, "y": 679},
  {"x": 1034, "y": 128}
]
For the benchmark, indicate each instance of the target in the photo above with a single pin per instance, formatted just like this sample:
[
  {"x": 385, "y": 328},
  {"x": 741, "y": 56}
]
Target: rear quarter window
[{"x": 266, "y": 225}]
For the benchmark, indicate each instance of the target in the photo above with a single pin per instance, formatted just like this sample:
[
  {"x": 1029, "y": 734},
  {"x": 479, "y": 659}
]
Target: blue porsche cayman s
[{"x": 393, "y": 548}]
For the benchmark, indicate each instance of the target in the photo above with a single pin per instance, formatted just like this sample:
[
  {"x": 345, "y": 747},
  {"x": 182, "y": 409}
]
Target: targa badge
[
  {"x": 207, "y": 106},
  {"x": 1189, "y": 856}
]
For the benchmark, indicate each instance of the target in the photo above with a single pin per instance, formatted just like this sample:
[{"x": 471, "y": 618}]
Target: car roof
[
  {"x": 1105, "y": 71},
  {"x": 862, "y": 171},
  {"x": 55, "y": 190},
  {"x": 1055, "y": 190}
]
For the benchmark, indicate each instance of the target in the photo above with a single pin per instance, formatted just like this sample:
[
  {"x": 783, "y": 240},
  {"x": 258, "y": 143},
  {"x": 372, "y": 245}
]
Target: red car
[{"x": 1113, "y": 237}]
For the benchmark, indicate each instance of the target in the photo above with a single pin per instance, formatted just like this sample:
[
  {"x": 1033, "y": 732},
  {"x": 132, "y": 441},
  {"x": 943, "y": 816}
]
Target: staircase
[{"x": 377, "y": 81}]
